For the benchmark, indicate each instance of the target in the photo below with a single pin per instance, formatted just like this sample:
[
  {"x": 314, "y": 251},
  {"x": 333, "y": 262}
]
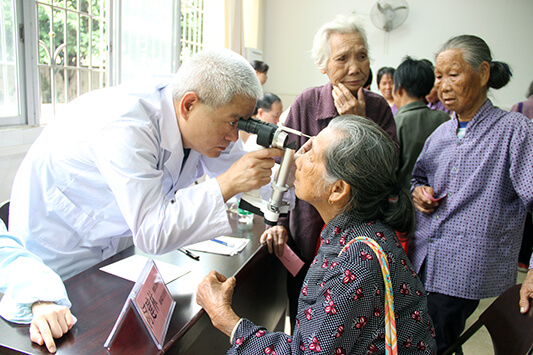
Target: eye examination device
[{"x": 270, "y": 136}]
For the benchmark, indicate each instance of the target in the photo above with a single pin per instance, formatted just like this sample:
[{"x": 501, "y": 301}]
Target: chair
[
  {"x": 511, "y": 332},
  {"x": 4, "y": 211}
]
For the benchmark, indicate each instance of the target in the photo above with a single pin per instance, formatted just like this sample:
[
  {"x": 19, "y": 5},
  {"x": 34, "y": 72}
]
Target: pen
[
  {"x": 189, "y": 254},
  {"x": 222, "y": 242}
]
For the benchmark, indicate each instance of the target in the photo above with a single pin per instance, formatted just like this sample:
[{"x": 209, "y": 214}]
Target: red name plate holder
[{"x": 149, "y": 307}]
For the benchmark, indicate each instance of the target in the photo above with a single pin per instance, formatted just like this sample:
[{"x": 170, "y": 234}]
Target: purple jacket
[
  {"x": 526, "y": 108},
  {"x": 439, "y": 106},
  {"x": 311, "y": 113},
  {"x": 470, "y": 242}
]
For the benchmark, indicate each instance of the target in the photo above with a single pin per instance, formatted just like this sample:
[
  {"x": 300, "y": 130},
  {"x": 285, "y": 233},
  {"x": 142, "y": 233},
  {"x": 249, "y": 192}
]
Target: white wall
[{"x": 291, "y": 24}]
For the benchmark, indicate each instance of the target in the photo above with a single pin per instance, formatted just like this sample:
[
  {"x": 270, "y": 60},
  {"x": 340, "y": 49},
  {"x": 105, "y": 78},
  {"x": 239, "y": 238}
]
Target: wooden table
[{"x": 97, "y": 299}]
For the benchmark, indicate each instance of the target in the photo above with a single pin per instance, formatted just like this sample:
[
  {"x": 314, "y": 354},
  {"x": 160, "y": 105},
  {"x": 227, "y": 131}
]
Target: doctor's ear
[{"x": 187, "y": 103}]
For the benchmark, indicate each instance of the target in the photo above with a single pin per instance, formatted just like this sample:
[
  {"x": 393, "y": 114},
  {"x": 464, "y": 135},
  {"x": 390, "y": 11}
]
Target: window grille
[
  {"x": 72, "y": 50},
  {"x": 192, "y": 27}
]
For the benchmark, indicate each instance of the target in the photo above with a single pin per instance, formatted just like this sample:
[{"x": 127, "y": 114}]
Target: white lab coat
[
  {"x": 24, "y": 280},
  {"x": 110, "y": 166}
]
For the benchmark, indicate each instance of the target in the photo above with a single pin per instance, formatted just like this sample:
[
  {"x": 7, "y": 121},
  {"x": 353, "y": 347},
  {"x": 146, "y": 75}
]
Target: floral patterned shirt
[{"x": 341, "y": 304}]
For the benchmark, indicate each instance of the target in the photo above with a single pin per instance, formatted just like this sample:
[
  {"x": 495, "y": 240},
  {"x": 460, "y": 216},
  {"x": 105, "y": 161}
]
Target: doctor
[{"x": 122, "y": 161}]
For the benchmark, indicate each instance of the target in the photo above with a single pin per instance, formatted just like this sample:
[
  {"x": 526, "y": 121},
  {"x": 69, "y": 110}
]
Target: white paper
[
  {"x": 235, "y": 246},
  {"x": 130, "y": 269}
]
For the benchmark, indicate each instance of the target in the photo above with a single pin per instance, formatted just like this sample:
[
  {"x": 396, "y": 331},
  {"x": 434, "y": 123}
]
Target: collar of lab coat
[{"x": 170, "y": 134}]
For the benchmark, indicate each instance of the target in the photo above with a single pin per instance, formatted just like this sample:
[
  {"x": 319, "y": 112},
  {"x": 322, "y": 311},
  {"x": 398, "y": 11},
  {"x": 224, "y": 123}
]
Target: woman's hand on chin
[{"x": 347, "y": 103}]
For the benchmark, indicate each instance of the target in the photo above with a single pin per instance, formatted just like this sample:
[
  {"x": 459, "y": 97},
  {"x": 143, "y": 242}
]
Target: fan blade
[{"x": 400, "y": 8}]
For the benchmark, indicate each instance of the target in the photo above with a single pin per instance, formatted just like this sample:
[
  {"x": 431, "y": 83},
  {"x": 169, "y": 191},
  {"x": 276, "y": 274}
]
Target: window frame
[
  {"x": 28, "y": 54},
  {"x": 27, "y": 62},
  {"x": 20, "y": 77},
  {"x": 29, "y": 69}
]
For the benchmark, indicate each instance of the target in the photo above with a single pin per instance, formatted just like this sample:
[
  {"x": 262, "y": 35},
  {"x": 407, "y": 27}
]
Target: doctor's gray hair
[
  {"x": 365, "y": 157},
  {"x": 217, "y": 76},
  {"x": 321, "y": 51}
]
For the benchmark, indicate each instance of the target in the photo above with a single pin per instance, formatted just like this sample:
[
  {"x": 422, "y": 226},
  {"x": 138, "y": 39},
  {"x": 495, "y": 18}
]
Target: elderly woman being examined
[{"x": 348, "y": 174}]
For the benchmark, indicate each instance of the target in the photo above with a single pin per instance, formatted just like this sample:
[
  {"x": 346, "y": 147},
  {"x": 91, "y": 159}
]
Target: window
[
  {"x": 147, "y": 34},
  {"x": 192, "y": 27},
  {"x": 11, "y": 100},
  {"x": 52, "y": 51},
  {"x": 72, "y": 50}
]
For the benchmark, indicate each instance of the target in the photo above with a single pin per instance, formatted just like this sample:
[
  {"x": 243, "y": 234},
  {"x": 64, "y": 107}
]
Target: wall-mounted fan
[{"x": 389, "y": 14}]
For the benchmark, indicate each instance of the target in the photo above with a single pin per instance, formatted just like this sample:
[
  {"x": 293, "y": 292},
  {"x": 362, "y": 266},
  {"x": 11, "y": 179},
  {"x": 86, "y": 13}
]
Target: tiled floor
[{"x": 480, "y": 343}]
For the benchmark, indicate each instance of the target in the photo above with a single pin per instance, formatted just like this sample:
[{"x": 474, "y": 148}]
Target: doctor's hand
[
  {"x": 421, "y": 200},
  {"x": 49, "y": 321},
  {"x": 275, "y": 238},
  {"x": 346, "y": 103},
  {"x": 214, "y": 295},
  {"x": 250, "y": 172}
]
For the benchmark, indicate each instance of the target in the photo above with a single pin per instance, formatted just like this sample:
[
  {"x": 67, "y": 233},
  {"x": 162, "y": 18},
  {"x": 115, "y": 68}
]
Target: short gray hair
[
  {"x": 217, "y": 76},
  {"x": 366, "y": 158},
  {"x": 476, "y": 51},
  {"x": 321, "y": 51}
]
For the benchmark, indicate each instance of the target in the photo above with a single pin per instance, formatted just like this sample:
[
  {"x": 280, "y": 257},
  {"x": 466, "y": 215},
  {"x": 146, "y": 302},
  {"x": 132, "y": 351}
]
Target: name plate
[{"x": 153, "y": 305}]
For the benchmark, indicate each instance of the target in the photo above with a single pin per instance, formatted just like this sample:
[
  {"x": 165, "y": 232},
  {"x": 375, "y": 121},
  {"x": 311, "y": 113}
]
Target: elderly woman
[
  {"x": 348, "y": 174},
  {"x": 386, "y": 86},
  {"x": 472, "y": 187},
  {"x": 340, "y": 51}
]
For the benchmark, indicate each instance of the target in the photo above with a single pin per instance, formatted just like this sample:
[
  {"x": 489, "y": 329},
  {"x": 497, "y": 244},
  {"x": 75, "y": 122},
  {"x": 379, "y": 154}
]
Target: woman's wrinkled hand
[
  {"x": 275, "y": 238},
  {"x": 304, "y": 148},
  {"x": 347, "y": 103},
  {"x": 214, "y": 295}
]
